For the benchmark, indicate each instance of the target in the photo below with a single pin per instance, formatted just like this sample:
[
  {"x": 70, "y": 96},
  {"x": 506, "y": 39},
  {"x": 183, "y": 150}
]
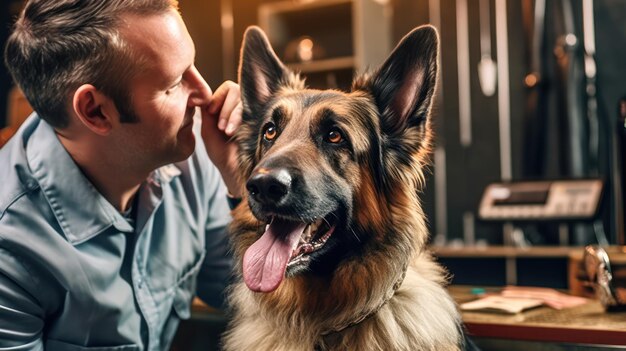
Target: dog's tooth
[{"x": 268, "y": 224}]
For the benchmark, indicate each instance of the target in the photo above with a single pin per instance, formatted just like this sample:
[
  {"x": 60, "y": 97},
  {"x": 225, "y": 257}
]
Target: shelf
[
  {"x": 328, "y": 41},
  {"x": 548, "y": 266},
  {"x": 506, "y": 252},
  {"x": 346, "y": 62}
]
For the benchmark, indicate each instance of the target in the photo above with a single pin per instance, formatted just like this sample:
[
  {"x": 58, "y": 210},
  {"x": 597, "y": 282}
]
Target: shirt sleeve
[
  {"x": 21, "y": 317},
  {"x": 216, "y": 272}
]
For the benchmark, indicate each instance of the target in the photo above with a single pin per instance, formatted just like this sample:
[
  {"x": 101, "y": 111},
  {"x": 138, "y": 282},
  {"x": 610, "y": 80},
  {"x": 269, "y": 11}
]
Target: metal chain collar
[{"x": 365, "y": 316}]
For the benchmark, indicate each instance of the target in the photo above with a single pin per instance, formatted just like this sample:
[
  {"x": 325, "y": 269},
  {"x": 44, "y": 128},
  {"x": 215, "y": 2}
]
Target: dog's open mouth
[{"x": 285, "y": 243}]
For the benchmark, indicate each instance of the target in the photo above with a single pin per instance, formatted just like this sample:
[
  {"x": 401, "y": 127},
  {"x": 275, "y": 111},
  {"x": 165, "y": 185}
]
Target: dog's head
[{"x": 324, "y": 169}]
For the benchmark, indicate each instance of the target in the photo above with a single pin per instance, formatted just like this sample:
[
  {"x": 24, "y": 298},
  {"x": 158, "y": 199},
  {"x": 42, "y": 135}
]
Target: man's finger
[
  {"x": 231, "y": 103},
  {"x": 234, "y": 121},
  {"x": 221, "y": 96}
]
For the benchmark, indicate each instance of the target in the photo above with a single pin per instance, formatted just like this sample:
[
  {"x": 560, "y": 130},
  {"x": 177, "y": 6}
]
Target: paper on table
[
  {"x": 514, "y": 299},
  {"x": 501, "y": 304},
  {"x": 548, "y": 296}
]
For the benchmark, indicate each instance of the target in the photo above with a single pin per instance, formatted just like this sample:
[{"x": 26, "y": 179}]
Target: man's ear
[
  {"x": 403, "y": 88},
  {"x": 94, "y": 110},
  {"x": 261, "y": 72}
]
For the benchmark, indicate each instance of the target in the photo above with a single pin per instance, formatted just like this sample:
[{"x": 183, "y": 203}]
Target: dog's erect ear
[
  {"x": 260, "y": 70},
  {"x": 404, "y": 85}
]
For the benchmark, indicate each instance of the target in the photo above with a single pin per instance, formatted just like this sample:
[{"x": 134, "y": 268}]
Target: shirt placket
[{"x": 153, "y": 194}]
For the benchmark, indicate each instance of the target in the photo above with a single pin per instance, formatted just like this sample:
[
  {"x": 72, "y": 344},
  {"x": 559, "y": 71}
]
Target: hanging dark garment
[
  {"x": 562, "y": 129},
  {"x": 611, "y": 89},
  {"x": 556, "y": 128}
]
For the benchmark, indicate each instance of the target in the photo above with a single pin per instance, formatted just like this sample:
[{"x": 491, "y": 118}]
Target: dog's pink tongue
[{"x": 264, "y": 262}]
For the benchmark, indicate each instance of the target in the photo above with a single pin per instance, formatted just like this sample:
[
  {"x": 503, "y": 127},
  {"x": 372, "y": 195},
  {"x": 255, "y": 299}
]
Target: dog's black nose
[{"x": 269, "y": 186}]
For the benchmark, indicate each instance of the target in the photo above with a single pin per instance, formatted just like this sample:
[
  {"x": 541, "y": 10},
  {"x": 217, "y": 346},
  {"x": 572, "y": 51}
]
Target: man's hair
[{"x": 59, "y": 45}]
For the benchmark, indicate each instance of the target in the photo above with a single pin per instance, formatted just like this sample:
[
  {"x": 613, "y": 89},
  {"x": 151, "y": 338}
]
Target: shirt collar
[{"x": 80, "y": 209}]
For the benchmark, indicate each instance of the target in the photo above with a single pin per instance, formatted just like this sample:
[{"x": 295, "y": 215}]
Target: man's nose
[{"x": 200, "y": 91}]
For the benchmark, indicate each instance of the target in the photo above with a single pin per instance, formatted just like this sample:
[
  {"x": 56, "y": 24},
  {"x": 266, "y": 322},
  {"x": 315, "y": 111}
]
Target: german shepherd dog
[{"x": 330, "y": 237}]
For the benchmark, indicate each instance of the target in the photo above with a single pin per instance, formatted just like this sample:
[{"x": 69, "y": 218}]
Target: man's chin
[
  {"x": 183, "y": 149},
  {"x": 187, "y": 147}
]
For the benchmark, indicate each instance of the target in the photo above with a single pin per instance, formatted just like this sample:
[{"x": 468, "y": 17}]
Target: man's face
[{"x": 164, "y": 94}]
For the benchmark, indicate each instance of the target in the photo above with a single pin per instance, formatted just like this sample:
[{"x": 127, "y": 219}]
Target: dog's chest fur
[{"x": 419, "y": 316}]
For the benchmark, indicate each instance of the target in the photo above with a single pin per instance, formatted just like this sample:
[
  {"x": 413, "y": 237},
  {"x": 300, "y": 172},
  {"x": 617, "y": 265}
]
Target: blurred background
[{"x": 529, "y": 157}]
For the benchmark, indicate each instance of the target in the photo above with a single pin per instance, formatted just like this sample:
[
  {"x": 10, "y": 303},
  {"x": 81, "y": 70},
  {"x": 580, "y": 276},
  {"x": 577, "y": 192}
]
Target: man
[{"x": 112, "y": 206}]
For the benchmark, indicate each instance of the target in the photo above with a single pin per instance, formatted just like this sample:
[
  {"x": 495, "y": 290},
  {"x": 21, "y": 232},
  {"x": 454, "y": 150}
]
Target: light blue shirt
[{"x": 76, "y": 275}]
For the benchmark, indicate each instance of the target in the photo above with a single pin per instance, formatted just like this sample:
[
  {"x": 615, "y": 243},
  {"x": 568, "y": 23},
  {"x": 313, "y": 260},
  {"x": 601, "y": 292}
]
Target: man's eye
[
  {"x": 270, "y": 132},
  {"x": 175, "y": 86}
]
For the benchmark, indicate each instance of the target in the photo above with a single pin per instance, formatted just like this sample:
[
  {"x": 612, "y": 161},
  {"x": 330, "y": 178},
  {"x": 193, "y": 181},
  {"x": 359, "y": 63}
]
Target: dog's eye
[
  {"x": 270, "y": 132},
  {"x": 334, "y": 136}
]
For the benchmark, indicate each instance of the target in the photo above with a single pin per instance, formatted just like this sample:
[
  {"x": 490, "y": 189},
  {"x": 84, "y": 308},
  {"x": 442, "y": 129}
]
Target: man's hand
[{"x": 220, "y": 119}]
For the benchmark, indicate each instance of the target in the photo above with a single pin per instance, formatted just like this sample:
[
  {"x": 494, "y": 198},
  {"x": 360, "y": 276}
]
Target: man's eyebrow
[
  {"x": 187, "y": 68},
  {"x": 193, "y": 62}
]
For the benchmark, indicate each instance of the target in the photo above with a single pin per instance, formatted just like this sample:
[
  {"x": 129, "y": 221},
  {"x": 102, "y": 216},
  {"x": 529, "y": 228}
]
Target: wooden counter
[{"x": 586, "y": 324}]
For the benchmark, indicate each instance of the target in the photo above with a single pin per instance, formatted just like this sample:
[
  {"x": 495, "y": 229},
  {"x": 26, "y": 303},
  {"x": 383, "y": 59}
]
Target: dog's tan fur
[{"x": 310, "y": 312}]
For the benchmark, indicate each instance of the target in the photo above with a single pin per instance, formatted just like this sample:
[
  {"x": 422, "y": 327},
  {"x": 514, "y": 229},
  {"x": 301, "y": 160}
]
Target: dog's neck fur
[
  {"x": 367, "y": 314},
  {"x": 419, "y": 316}
]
